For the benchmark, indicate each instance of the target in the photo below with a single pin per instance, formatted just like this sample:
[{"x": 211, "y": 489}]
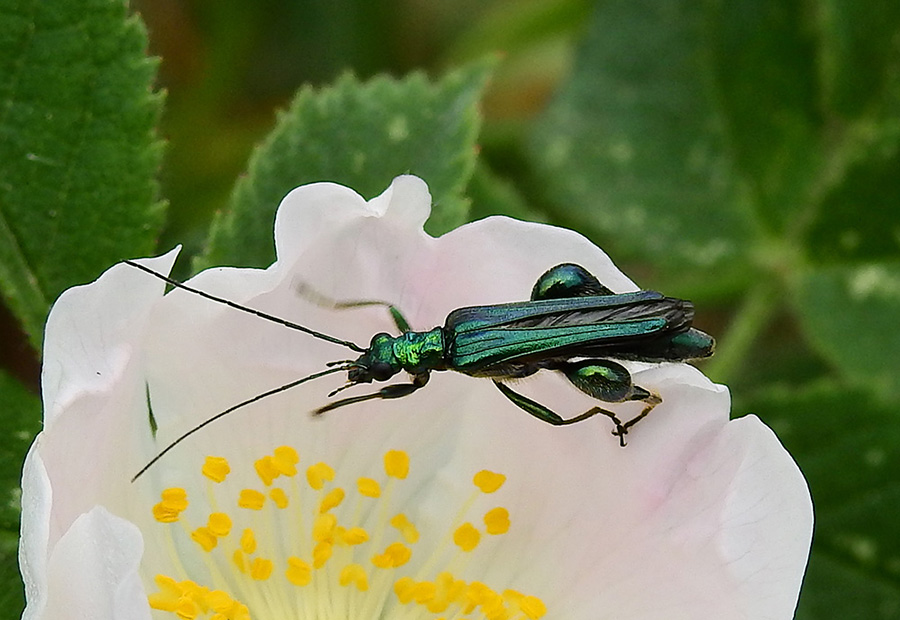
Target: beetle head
[{"x": 378, "y": 363}]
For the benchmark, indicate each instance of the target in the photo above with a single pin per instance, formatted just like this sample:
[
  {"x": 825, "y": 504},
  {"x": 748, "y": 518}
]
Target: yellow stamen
[
  {"x": 423, "y": 592},
  {"x": 497, "y": 521},
  {"x": 332, "y": 499},
  {"x": 478, "y": 594},
  {"x": 368, "y": 487},
  {"x": 248, "y": 541},
  {"x": 220, "y": 602},
  {"x": 240, "y": 612},
  {"x": 322, "y": 553},
  {"x": 219, "y": 524},
  {"x": 354, "y": 574},
  {"x": 318, "y": 474},
  {"x": 216, "y": 468},
  {"x": 323, "y": 528},
  {"x": 279, "y": 497},
  {"x": 261, "y": 569},
  {"x": 165, "y": 515},
  {"x": 251, "y": 499},
  {"x": 174, "y": 502},
  {"x": 403, "y": 588},
  {"x": 406, "y": 528},
  {"x": 285, "y": 460},
  {"x": 175, "y": 498},
  {"x": 239, "y": 560},
  {"x": 203, "y": 537},
  {"x": 396, "y": 554},
  {"x": 266, "y": 470},
  {"x": 187, "y": 609},
  {"x": 449, "y": 589},
  {"x": 168, "y": 596},
  {"x": 299, "y": 519},
  {"x": 298, "y": 572},
  {"x": 532, "y": 607},
  {"x": 396, "y": 464},
  {"x": 466, "y": 537},
  {"x": 488, "y": 481},
  {"x": 355, "y": 536}
]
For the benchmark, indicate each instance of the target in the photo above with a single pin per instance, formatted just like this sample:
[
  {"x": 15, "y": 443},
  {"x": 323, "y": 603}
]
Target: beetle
[{"x": 572, "y": 324}]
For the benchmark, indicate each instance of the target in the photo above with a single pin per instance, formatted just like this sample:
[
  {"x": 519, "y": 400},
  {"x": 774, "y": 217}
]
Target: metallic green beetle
[{"x": 572, "y": 324}]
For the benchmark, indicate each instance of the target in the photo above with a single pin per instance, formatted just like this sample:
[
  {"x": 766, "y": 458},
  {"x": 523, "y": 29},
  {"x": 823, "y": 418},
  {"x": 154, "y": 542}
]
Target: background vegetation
[{"x": 740, "y": 153}]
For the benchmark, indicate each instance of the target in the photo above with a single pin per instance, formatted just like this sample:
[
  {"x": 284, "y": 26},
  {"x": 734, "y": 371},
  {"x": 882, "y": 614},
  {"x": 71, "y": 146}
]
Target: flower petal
[
  {"x": 311, "y": 212},
  {"x": 692, "y": 520},
  {"x": 698, "y": 517},
  {"x": 93, "y": 571},
  {"x": 94, "y": 392},
  {"x": 37, "y": 498},
  {"x": 89, "y": 330},
  {"x": 770, "y": 508}
]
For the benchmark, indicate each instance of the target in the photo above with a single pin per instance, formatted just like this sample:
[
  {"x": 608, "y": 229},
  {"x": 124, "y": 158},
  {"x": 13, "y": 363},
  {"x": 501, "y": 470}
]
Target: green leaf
[
  {"x": 12, "y": 591},
  {"x": 78, "y": 153},
  {"x": 861, "y": 58},
  {"x": 360, "y": 135},
  {"x": 717, "y": 142},
  {"x": 20, "y": 420},
  {"x": 687, "y": 124},
  {"x": 850, "y": 314},
  {"x": 848, "y": 447},
  {"x": 493, "y": 195},
  {"x": 764, "y": 61},
  {"x": 530, "y": 24},
  {"x": 633, "y": 149},
  {"x": 859, "y": 218}
]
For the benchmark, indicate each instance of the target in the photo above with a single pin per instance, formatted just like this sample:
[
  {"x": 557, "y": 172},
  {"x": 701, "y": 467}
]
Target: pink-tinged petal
[
  {"x": 317, "y": 215},
  {"x": 92, "y": 571},
  {"x": 94, "y": 391},
  {"x": 92, "y": 331},
  {"x": 697, "y": 517},
  {"x": 770, "y": 507},
  {"x": 504, "y": 257},
  {"x": 37, "y": 501}
]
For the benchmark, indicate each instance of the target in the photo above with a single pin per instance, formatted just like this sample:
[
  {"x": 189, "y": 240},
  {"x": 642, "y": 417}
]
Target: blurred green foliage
[
  {"x": 743, "y": 154},
  {"x": 78, "y": 154}
]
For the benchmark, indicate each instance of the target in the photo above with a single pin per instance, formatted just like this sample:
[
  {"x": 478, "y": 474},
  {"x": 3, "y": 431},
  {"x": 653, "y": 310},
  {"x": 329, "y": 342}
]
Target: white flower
[{"x": 387, "y": 509}]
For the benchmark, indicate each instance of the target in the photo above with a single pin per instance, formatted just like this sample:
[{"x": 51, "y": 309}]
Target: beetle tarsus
[{"x": 621, "y": 430}]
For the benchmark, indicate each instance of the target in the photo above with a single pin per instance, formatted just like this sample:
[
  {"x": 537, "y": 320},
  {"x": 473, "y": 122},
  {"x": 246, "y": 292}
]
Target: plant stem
[{"x": 743, "y": 332}]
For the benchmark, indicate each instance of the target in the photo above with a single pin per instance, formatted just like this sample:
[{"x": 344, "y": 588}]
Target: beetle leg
[
  {"x": 602, "y": 379},
  {"x": 652, "y": 401},
  {"x": 610, "y": 382},
  {"x": 567, "y": 280},
  {"x": 546, "y": 415},
  {"x": 391, "y": 391},
  {"x": 323, "y": 301}
]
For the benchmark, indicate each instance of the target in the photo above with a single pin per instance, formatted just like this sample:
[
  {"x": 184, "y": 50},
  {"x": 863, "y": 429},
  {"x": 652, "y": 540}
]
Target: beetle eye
[{"x": 381, "y": 371}]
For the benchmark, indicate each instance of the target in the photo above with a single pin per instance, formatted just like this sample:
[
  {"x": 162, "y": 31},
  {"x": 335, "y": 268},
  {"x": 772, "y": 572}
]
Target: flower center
[{"x": 284, "y": 547}]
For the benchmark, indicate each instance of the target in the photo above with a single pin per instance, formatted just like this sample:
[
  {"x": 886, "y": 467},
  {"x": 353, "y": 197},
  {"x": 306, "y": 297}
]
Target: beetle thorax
[
  {"x": 420, "y": 351},
  {"x": 414, "y": 352}
]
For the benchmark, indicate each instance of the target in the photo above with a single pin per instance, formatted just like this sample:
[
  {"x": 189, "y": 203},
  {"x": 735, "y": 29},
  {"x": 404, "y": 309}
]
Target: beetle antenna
[
  {"x": 269, "y": 317},
  {"x": 233, "y": 408}
]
